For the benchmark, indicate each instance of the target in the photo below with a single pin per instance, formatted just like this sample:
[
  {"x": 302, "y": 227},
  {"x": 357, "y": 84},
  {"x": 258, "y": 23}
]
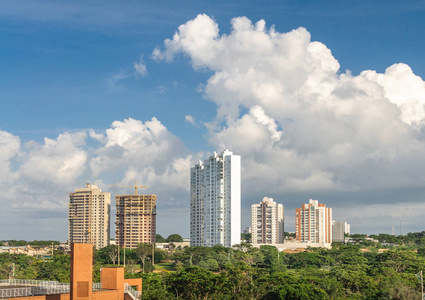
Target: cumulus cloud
[
  {"x": 43, "y": 173},
  {"x": 298, "y": 121},
  {"x": 134, "y": 143},
  {"x": 58, "y": 161},
  {"x": 404, "y": 88},
  {"x": 37, "y": 176}
]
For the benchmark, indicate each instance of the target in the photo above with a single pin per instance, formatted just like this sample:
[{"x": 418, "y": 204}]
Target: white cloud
[
  {"x": 115, "y": 80},
  {"x": 58, "y": 161},
  {"x": 190, "y": 119},
  {"x": 140, "y": 67},
  {"x": 9, "y": 147},
  {"x": 308, "y": 126},
  {"x": 404, "y": 89},
  {"x": 38, "y": 176},
  {"x": 44, "y": 173},
  {"x": 133, "y": 143},
  {"x": 161, "y": 89}
]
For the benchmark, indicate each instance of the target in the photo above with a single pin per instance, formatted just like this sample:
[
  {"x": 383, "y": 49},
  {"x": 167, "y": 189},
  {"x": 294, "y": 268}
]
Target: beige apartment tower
[
  {"x": 267, "y": 222},
  {"x": 135, "y": 220},
  {"x": 313, "y": 223},
  {"x": 89, "y": 212}
]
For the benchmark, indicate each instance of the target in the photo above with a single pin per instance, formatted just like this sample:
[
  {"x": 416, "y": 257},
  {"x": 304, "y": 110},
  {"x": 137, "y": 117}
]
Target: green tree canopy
[
  {"x": 174, "y": 238},
  {"x": 159, "y": 238}
]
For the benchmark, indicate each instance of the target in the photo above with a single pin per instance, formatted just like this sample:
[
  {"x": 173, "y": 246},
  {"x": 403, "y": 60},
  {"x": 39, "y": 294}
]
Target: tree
[
  {"x": 176, "y": 238},
  {"x": 107, "y": 253},
  {"x": 160, "y": 255},
  {"x": 297, "y": 292},
  {"x": 289, "y": 234},
  {"x": 159, "y": 238},
  {"x": 142, "y": 251},
  {"x": 246, "y": 237},
  {"x": 194, "y": 283}
]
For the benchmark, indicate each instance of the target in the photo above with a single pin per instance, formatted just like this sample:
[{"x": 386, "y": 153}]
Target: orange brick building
[{"x": 113, "y": 284}]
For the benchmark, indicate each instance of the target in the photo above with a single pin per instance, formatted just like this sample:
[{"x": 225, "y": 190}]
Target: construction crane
[{"x": 135, "y": 186}]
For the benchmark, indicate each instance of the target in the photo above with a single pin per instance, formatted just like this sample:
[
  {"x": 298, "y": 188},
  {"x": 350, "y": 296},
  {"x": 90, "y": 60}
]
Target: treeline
[
  {"x": 344, "y": 272},
  {"x": 20, "y": 243},
  {"x": 413, "y": 240},
  {"x": 347, "y": 271}
]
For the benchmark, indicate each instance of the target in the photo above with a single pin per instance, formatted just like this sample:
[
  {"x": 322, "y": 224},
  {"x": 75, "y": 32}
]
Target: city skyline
[{"x": 321, "y": 100}]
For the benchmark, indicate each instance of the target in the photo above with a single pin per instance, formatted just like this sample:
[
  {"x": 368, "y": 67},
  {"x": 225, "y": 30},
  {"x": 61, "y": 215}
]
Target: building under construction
[
  {"x": 135, "y": 220},
  {"x": 89, "y": 211}
]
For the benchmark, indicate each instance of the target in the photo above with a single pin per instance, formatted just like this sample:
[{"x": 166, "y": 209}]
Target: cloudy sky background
[{"x": 322, "y": 100}]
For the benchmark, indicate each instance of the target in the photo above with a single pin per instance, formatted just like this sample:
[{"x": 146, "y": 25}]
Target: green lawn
[{"x": 164, "y": 267}]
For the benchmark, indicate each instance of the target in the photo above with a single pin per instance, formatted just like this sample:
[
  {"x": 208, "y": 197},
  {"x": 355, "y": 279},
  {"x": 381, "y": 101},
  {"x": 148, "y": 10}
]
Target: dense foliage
[
  {"x": 28, "y": 267},
  {"x": 343, "y": 272}
]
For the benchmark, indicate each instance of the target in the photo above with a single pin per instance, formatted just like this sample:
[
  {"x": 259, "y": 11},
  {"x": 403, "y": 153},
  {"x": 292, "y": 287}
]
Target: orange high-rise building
[
  {"x": 135, "y": 220},
  {"x": 313, "y": 223}
]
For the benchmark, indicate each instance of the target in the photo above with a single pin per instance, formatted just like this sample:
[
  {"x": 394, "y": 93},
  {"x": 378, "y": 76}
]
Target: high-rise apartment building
[
  {"x": 89, "y": 212},
  {"x": 339, "y": 229},
  {"x": 313, "y": 223},
  {"x": 135, "y": 220},
  {"x": 215, "y": 201},
  {"x": 267, "y": 222}
]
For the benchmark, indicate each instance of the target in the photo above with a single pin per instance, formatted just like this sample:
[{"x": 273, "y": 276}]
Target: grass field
[{"x": 164, "y": 267}]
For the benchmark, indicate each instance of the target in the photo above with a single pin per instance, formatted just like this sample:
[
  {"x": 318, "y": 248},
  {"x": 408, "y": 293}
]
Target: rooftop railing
[
  {"x": 25, "y": 287},
  {"x": 132, "y": 292}
]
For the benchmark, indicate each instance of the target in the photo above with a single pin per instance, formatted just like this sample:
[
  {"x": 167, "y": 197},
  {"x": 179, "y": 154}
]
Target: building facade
[
  {"x": 313, "y": 223},
  {"x": 135, "y": 220},
  {"x": 215, "y": 201},
  {"x": 267, "y": 222},
  {"x": 339, "y": 229},
  {"x": 89, "y": 214}
]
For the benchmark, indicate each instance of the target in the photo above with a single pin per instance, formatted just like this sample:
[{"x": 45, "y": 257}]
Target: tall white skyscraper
[
  {"x": 215, "y": 201},
  {"x": 267, "y": 222},
  {"x": 89, "y": 212}
]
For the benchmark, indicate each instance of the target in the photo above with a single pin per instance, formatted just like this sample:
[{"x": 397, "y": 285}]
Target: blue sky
[{"x": 68, "y": 72}]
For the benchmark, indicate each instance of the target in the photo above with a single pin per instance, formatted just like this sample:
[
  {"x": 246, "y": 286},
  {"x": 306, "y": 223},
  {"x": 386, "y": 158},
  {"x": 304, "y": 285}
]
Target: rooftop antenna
[
  {"x": 400, "y": 227},
  {"x": 393, "y": 229}
]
